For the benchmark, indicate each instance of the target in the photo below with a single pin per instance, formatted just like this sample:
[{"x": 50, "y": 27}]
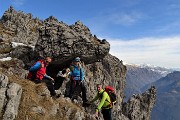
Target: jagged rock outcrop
[
  {"x": 62, "y": 42},
  {"x": 53, "y": 38},
  {"x": 139, "y": 107},
  {"x": 19, "y": 27}
]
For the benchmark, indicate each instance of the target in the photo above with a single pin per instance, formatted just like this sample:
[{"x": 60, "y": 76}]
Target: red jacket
[{"x": 38, "y": 74}]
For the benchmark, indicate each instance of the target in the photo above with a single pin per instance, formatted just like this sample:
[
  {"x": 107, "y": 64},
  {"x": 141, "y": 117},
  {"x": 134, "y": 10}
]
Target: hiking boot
[{"x": 74, "y": 97}]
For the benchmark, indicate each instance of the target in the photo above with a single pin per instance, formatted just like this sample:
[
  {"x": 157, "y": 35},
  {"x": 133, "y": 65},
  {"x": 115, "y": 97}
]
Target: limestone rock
[
  {"x": 19, "y": 27},
  {"x": 14, "y": 66},
  {"x": 3, "y": 84},
  {"x": 14, "y": 92},
  {"x": 64, "y": 42},
  {"x": 139, "y": 107}
]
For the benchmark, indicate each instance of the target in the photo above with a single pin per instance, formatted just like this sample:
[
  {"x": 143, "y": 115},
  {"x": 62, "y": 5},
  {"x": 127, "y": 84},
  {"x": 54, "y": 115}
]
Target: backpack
[{"x": 111, "y": 93}]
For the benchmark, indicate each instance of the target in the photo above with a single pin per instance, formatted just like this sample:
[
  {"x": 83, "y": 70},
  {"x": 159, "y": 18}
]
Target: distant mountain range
[
  {"x": 167, "y": 105},
  {"x": 140, "y": 75},
  {"x": 167, "y": 81}
]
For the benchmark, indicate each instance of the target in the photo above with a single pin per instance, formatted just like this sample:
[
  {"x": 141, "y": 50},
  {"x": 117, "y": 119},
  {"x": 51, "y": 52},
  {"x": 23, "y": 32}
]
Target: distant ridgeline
[
  {"x": 22, "y": 99},
  {"x": 140, "y": 78}
]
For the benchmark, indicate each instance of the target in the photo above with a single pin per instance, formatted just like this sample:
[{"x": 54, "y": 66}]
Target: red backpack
[{"x": 111, "y": 93}]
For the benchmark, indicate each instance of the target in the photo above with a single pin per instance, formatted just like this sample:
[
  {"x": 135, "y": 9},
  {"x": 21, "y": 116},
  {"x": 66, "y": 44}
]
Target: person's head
[
  {"x": 99, "y": 87},
  {"x": 65, "y": 71},
  {"x": 77, "y": 61},
  {"x": 48, "y": 60}
]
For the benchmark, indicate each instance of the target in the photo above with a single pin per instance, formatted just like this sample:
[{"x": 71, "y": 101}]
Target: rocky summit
[{"x": 24, "y": 38}]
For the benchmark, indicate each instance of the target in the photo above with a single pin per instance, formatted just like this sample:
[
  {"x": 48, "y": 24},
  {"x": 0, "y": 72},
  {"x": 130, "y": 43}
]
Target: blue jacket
[
  {"x": 76, "y": 73},
  {"x": 35, "y": 67}
]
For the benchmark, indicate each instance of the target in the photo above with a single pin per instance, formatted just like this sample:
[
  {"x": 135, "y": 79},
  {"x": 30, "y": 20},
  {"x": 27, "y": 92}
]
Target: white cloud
[
  {"x": 18, "y": 2},
  {"x": 163, "y": 52},
  {"x": 125, "y": 18}
]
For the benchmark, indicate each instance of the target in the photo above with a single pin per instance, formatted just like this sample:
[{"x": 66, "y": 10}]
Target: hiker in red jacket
[{"x": 37, "y": 73}]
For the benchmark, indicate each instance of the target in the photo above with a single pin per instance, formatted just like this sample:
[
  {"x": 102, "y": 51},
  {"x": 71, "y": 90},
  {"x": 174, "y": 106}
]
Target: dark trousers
[
  {"x": 58, "y": 82},
  {"x": 49, "y": 85},
  {"x": 107, "y": 114},
  {"x": 76, "y": 87}
]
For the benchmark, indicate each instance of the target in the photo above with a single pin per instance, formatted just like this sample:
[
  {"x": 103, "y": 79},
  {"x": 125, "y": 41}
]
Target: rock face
[
  {"x": 10, "y": 98},
  {"x": 52, "y": 38},
  {"x": 139, "y": 107},
  {"x": 19, "y": 27},
  {"x": 62, "y": 43}
]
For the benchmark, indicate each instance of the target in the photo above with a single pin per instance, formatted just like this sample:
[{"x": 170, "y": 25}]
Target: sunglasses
[{"x": 47, "y": 62}]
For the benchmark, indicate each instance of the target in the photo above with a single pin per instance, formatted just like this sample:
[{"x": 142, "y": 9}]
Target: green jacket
[{"x": 104, "y": 100}]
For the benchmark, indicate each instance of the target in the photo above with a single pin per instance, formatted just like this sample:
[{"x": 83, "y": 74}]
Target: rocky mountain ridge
[
  {"x": 161, "y": 70},
  {"x": 167, "y": 106},
  {"x": 63, "y": 42},
  {"x": 138, "y": 76}
]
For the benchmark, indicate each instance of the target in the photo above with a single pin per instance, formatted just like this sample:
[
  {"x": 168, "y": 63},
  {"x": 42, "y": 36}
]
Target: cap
[{"x": 77, "y": 59}]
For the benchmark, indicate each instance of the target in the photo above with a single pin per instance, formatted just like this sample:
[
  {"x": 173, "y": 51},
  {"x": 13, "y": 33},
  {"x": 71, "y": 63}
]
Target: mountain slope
[
  {"x": 137, "y": 77},
  {"x": 168, "y": 98}
]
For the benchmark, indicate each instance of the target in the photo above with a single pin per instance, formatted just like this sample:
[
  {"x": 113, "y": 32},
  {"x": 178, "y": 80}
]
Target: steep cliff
[{"x": 63, "y": 42}]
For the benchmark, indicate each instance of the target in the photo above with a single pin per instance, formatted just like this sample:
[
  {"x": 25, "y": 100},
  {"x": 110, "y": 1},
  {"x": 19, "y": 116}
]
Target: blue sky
[{"x": 139, "y": 31}]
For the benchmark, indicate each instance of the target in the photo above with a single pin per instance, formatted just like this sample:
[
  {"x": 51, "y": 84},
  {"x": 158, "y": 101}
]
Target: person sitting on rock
[
  {"x": 37, "y": 73},
  {"x": 105, "y": 103},
  {"x": 61, "y": 76},
  {"x": 77, "y": 83}
]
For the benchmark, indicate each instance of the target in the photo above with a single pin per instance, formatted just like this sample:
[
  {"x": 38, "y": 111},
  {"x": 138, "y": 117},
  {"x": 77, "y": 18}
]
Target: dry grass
[
  {"x": 5, "y": 50},
  {"x": 8, "y": 64},
  {"x": 30, "y": 98},
  {"x": 5, "y": 47}
]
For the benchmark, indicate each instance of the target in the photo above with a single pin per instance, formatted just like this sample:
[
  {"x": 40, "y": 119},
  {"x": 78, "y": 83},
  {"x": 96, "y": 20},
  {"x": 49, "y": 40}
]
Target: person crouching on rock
[
  {"x": 77, "y": 81},
  {"x": 37, "y": 73},
  {"x": 61, "y": 76}
]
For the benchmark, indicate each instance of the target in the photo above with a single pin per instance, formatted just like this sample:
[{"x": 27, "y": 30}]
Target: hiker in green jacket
[{"x": 105, "y": 103}]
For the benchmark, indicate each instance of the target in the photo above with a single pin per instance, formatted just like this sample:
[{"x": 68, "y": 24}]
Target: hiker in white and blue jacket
[{"x": 77, "y": 81}]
